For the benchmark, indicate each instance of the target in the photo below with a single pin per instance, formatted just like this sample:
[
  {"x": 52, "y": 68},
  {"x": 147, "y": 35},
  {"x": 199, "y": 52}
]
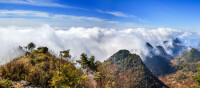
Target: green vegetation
[
  {"x": 184, "y": 70},
  {"x": 65, "y": 54},
  {"x": 39, "y": 67},
  {"x": 5, "y": 83},
  {"x": 30, "y": 46},
  {"x": 126, "y": 70},
  {"x": 186, "y": 67},
  {"x": 68, "y": 76},
  {"x": 88, "y": 63},
  {"x": 192, "y": 56},
  {"x": 197, "y": 77},
  {"x": 181, "y": 77}
]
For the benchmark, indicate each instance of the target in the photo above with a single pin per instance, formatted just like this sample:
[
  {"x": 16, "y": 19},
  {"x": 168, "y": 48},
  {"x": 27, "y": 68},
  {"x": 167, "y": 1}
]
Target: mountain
[
  {"x": 178, "y": 69},
  {"x": 40, "y": 68},
  {"x": 192, "y": 55},
  {"x": 158, "y": 62},
  {"x": 184, "y": 69},
  {"x": 177, "y": 47},
  {"x": 130, "y": 69}
]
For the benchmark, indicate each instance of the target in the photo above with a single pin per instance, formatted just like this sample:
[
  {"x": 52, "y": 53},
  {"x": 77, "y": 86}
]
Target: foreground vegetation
[{"x": 39, "y": 67}]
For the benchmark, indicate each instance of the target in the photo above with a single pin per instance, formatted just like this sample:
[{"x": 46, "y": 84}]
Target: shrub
[
  {"x": 42, "y": 49},
  {"x": 67, "y": 76},
  {"x": 6, "y": 83},
  {"x": 39, "y": 67},
  {"x": 181, "y": 77}
]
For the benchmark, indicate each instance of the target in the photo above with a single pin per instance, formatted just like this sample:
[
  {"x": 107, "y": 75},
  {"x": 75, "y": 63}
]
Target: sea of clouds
[{"x": 100, "y": 42}]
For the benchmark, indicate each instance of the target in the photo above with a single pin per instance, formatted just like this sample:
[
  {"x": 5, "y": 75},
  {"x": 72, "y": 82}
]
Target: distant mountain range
[{"x": 159, "y": 60}]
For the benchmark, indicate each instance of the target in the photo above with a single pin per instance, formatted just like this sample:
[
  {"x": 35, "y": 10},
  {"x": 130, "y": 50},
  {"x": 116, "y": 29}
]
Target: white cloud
[
  {"x": 23, "y": 13},
  {"x": 78, "y": 18},
  {"x": 62, "y": 23},
  {"x": 46, "y": 3},
  {"x": 121, "y": 14},
  {"x": 40, "y": 14},
  {"x": 36, "y": 18},
  {"x": 101, "y": 42},
  {"x": 116, "y": 13}
]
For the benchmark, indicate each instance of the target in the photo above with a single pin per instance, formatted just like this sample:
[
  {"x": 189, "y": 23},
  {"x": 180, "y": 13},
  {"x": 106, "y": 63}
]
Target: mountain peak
[
  {"x": 132, "y": 67},
  {"x": 123, "y": 51}
]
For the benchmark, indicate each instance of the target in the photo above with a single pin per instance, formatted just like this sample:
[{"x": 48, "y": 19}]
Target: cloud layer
[
  {"x": 45, "y": 3},
  {"x": 32, "y": 18},
  {"x": 40, "y": 14},
  {"x": 100, "y": 42},
  {"x": 116, "y": 13}
]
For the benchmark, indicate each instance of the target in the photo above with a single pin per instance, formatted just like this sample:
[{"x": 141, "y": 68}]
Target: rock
[{"x": 24, "y": 83}]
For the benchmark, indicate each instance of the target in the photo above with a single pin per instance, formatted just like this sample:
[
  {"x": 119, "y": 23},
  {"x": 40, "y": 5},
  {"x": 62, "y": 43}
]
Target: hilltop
[
  {"x": 40, "y": 68},
  {"x": 130, "y": 69}
]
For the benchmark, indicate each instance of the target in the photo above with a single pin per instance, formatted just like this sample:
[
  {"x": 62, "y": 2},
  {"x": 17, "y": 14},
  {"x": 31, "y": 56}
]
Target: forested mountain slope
[{"x": 130, "y": 69}]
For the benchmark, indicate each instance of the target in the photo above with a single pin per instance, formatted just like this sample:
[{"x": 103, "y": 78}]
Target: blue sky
[{"x": 177, "y": 14}]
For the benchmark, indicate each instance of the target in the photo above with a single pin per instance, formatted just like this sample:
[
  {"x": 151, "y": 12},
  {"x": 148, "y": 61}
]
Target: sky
[
  {"x": 98, "y": 27},
  {"x": 176, "y": 14}
]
